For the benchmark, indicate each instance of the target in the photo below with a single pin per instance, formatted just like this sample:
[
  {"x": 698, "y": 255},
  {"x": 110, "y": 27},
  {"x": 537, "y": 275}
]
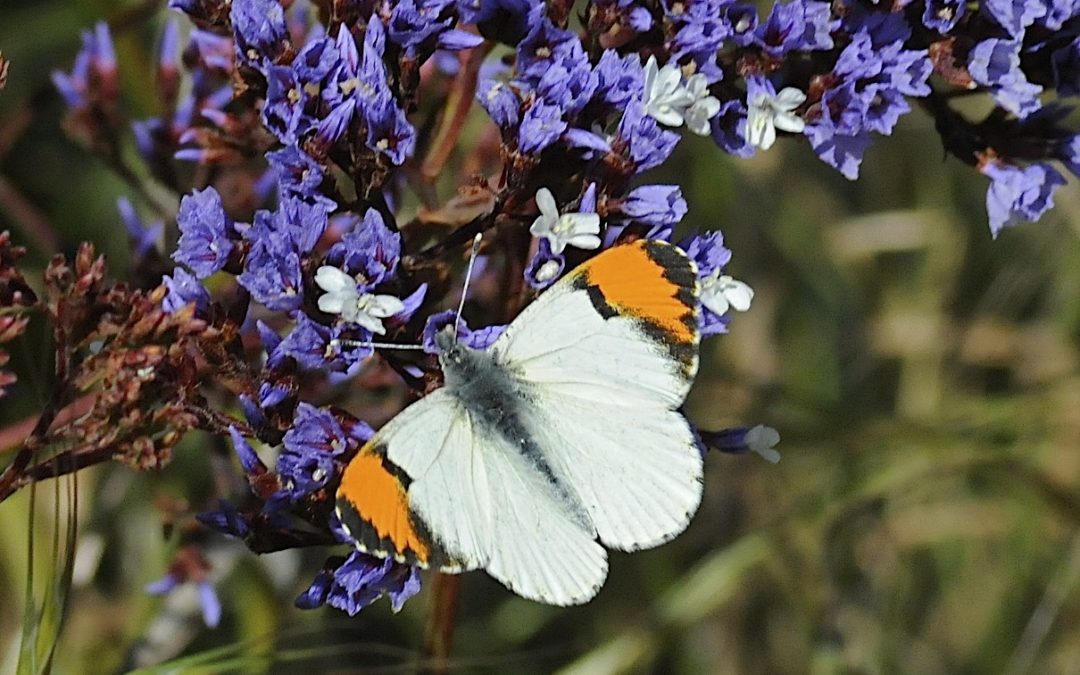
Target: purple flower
[
  {"x": 545, "y": 267},
  {"x": 389, "y": 131},
  {"x": 1013, "y": 15},
  {"x": 369, "y": 253},
  {"x": 729, "y": 128},
  {"x": 227, "y": 520},
  {"x": 741, "y": 440},
  {"x": 995, "y": 64},
  {"x": 1018, "y": 193},
  {"x": 184, "y": 289},
  {"x": 505, "y": 21},
  {"x": 838, "y": 136},
  {"x": 358, "y": 581},
  {"x": 272, "y": 272},
  {"x": 500, "y": 102},
  {"x": 94, "y": 73},
  {"x": 619, "y": 79},
  {"x": 798, "y": 25},
  {"x": 648, "y": 145},
  {"x": 942, "y": 15},
  {"x": 316, "y": 437},
  {"x": 655, "y": 204},
  {"x": 205, "y": 230},
  {"x": 259, "y": 28},
  {"x": 541, "y": 126},
  {"x": 701, "y": 27},
  {"x": 422, "y": 25},
  {"x": 570, "y": 82},
  {"x": 249, "y": 459},
  {"x": 143, "y": 238},
  {"x": 315, "y": 347},
  {"x": 482, "y": 338},
  {"x": 191, "y": 566},
  {"x": 300, "y": 176},
  {"x": 710, "y": 255},
  {"x": 1058, "y": 12},
  {"x": 544, "y": 46}
]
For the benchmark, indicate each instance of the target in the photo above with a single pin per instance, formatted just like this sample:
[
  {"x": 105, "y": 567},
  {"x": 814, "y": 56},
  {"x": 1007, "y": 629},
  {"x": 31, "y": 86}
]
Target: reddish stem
[{"x": 439, "y": 631}]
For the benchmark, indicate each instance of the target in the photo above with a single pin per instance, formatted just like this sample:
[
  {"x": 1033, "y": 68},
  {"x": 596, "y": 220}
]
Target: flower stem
[{"x": 439, "y": 631}]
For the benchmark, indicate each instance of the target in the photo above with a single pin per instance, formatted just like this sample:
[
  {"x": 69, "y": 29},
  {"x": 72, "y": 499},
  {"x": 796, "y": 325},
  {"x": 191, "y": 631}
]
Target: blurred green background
[{"x": 924, "y": 517}]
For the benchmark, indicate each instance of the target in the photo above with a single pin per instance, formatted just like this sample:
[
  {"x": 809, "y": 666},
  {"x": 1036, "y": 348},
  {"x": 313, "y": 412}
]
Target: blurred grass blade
[{"x": 42, "y": 624}]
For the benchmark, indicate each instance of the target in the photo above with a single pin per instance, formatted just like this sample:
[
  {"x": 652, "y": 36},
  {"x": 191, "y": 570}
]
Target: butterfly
[{"x": 562, "y": 438}]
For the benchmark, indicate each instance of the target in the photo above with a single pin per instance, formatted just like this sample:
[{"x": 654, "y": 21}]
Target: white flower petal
[
  {"x": 332, "y": 303},
  {"x": 786, "y": 121},
  {"x": 384, "y": 306},
  {"x": 738, "y": 294},
  {"x": 759, "y": 128},
  {"x": 332, "y": 280},
  {"x": 585, "y": 241},
  {"x": 789, "y": 98},
  {"x": 763, "y": 440},
  {"x": 373, "y": 324},
  {"x": 545, "y": 201},
  {"x": 665, "y": 115}
]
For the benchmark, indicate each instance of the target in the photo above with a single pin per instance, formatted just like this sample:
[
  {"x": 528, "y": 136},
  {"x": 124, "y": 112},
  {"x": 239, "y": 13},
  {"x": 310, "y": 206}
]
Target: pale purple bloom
[
  {"x": 995, "y": 64},
  {"x": 545, "y": 267},
  {"x": 259, "y": 29},
  {"x": 942, "y": 15},
  {"x": 360, "y": 580},
  {"x": 655, "y": 204},
  {"x": 648, "y": 145},
  {"x": 1013, "y": 15},
  {"x": 500, "y": 102},
  {"x": 182, "y": 290},
  {"x": 205, "y": 233},
  {"x": 95, "y": 66},
  {"x": 758, "y": 439},
  {"x": 311, "y": 444},
  {"x": 369, "y": 253},
  {"x": 481, "y": 338},
  {"x": 541, "y": 126},
  {"x": 272, "y": 272},
  {"x": 619, "y": 79},
  {"x": 797, "y": 25},
  {"x": 729, "y": 128},
  {"x": 144, "y": 238},
  {"x": 1018, "y": 193}
]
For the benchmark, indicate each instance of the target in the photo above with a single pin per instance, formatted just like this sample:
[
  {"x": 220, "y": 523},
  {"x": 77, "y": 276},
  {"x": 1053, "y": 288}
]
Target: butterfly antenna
[
  {"x": 375, "y": 345},
  {"x": 468, "y": 278}
]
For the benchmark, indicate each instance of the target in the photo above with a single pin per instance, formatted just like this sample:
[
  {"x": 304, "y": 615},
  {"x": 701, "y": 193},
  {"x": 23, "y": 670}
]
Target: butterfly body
[{"x": 564, "y": 437}]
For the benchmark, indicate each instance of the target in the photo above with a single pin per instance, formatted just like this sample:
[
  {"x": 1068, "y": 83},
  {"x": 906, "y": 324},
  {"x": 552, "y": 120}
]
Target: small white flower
[
  {"x": 719, "y": 293},
  {"x": 767, "y": 113},
  {"x": 580, "y": 230},
  {"x": 668, "y": 101},
  {"x": 342, "y": 297},
  {"x": 665, "y": 99},
  {"x": 704, "y": 107},
  {"x": 762, "y": 440}
]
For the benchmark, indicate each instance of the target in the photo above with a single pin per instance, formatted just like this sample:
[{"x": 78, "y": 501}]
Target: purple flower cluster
[{"x": 307, "y": 135}]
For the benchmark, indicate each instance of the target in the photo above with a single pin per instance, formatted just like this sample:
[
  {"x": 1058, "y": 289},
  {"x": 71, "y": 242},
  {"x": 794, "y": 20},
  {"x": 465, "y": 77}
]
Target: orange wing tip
[
  {"x": 653, "y": 281},
  {"x": 373, "y": 506}
]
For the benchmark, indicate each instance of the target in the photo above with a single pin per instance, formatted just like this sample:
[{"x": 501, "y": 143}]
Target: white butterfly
[{"x": 560, "y": 440}]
